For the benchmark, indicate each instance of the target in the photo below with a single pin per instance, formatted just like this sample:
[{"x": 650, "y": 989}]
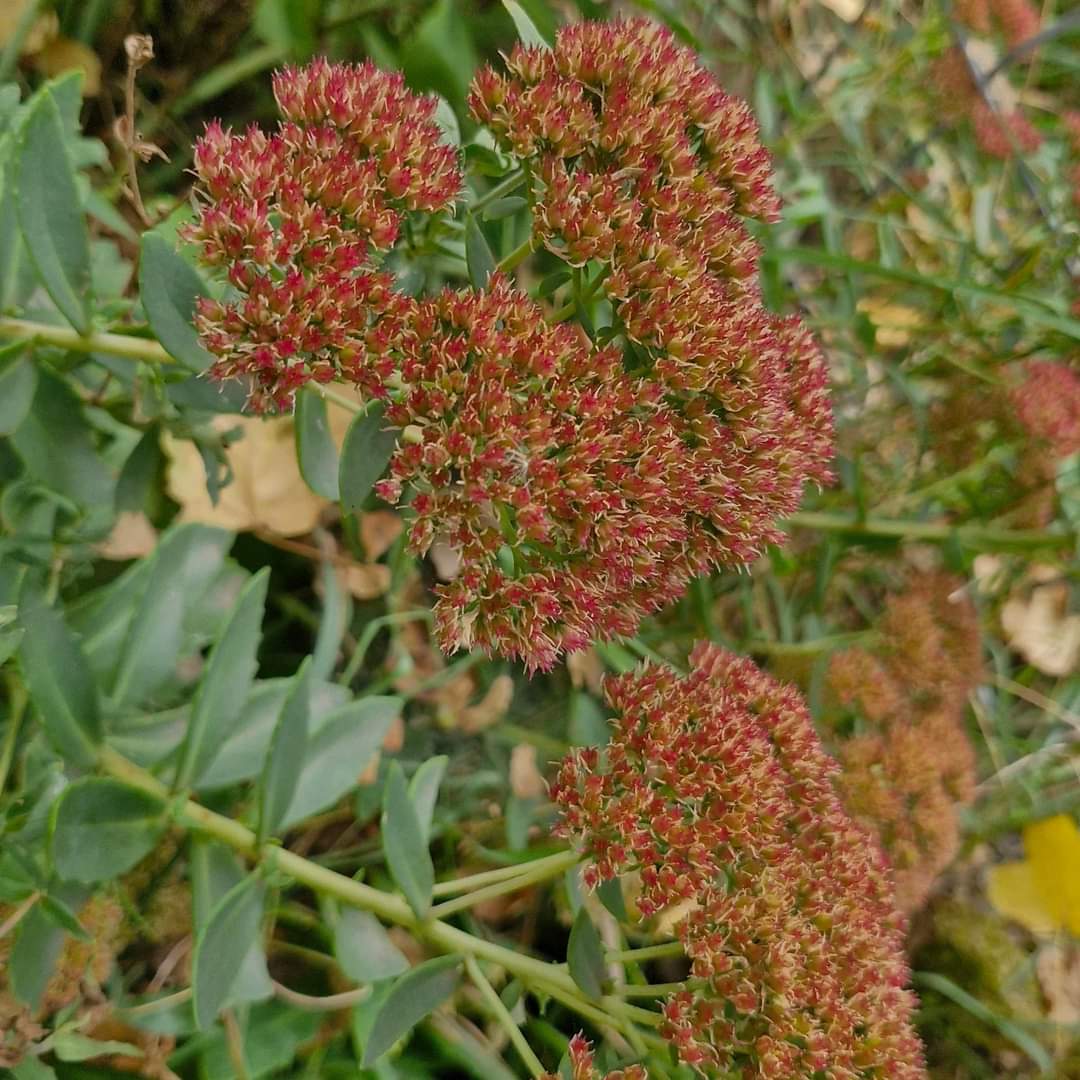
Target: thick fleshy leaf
[
  {"x": 226, "y": 682},
  {"x": 230, "y": 931},
  {"x": 405, "y": 844},
  {"x": 285, "y": 762},
  {"x": 18, "y": 380},
  {"x": 102, "y": 827},
  {"x": 338, "y": 752},
  {"x": 61, "y": 686},
  {"x": 478, "y": 256},
  {"x": 528, "y": 33},
  {"x": 57, "y": 445},
  {"x": 168, "y": 288},
  {"x": 369, "y": 444},
  {"x": 152, "y": 646},
  {"x": 214, "y": 871},
  {"x": 585, "y": 956},
  {"x": 50, "y": 211},
  {"x": 415, "y": 995},
  {"x": 424, "y": 790},
  {"x": 315, "y": 450},
  {"x": 364, "y": 950}
]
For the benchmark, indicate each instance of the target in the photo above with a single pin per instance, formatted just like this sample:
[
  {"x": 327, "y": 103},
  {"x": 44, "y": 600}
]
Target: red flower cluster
[
  {"x": 997, "y": 134},
  {"x": 584, "y": 486},
  {"x": 295, "y": 216},
  {"x": 714, "y": 787},
  {"x": 645, "y": 165},
  {"x": 1017, "y": 20},
  {"x": 582, "y": 1067},
  {"x": 912, "y": 766},
  {"x": 579, "y": 499},
  {"x": 1047, "y": 404}
]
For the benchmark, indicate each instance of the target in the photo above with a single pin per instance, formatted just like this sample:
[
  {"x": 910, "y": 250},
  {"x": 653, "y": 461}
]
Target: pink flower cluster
[
  {"x": 583, "y": 485},
  {"x": 582, "y": 1067},
  {"x": 295, "y": 217},
  {"x": 1047, "y": 404},
  {"x": 715, "y": 789},
  {"x": 579, "y": 498},
  {"x": 645, "y": 166}
]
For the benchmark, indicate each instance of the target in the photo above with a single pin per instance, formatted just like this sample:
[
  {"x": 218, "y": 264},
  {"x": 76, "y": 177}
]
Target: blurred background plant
[{"x": 928, "y": 604}]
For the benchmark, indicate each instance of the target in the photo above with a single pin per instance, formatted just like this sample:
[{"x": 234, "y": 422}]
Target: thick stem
[
  {"x": 504, "y": 187},
  {"x": 540, "y": 870},
  {"x": 517, "y": 256},
  {"x": 979, "y": 537},
  {"x": 502, "y": 1014},
  {"x": 491, "y": 877}
]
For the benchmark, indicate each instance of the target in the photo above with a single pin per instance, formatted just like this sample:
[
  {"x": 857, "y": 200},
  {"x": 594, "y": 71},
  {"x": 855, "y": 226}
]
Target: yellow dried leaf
[
  {"x": 45, "y": 27},
  {"x": 63, "y": 54},
  {"x": 893, "y": 323},
  {"x": 1042, "y": 892},
  {"x": 267, "y": 490}
]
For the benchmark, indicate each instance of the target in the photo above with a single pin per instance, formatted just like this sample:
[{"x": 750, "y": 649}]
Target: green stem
[
  {"x": 18, "y": 697},
  {"x": 814, "y": 645},
  {"x": 10, "y": 56},
  {"x": 979, "y": 537},
  {"x": 503, "y": 187},
  {"x": 502, "y": 1014},
  {"x": 128, "y": 347},
  {"x": 648, "y": 952},
  {"x": 491, "y": 877},
  {"x": 540, "y": 870},
  {"x": 517, "y": 256}
]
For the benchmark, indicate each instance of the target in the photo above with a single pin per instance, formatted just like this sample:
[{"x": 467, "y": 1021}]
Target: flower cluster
[
  {"x": 910, "y": 766},
  {"x": 579, "y": 499},
  {"x": 647, "y": 167},
  {"x": 88, "y": 961},
  {"x": 715, "y": 789},
  {"x": 1017, "y": 20},
  {"x": 584, "y": 486},
  {"x": 582, "y": 1067},
  {"x": 998, "y": 133},
  {"x": 1047, "y": 404},
  {"x": 295, "y": 217}
]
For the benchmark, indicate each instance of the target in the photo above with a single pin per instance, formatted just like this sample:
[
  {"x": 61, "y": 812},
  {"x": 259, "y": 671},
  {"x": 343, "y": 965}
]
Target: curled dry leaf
[
  {"x": 490, "y": 709},
  {"x": 526, "y": 781},
  {"x": 1058, "y": 969},
  {"x": 132, "y": 537},
  {"x": 586, "y": 670},
  {"x": 366, "y": 581},
  {"x": 445, "y": 559},
  {"x": 267, "y": 490},
  {"x": 378, "y": 530},
  {"x": 1038, "y": 624}
]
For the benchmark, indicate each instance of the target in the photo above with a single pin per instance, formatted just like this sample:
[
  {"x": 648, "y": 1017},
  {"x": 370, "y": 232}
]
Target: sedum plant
[{"x": 589, "y": 413}]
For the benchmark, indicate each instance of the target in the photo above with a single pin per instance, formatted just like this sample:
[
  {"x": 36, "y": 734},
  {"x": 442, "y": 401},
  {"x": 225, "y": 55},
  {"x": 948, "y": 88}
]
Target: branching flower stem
[
  {"x": 500, "y": 1012},
  {"x": 530, "y": 874},
  {"x": 388, "y": 907},
  {"x": 552, "y": 864}
]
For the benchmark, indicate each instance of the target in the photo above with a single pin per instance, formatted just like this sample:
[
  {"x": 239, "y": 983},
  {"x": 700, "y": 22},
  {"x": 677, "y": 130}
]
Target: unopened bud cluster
[{"x": 715, "y": 789}]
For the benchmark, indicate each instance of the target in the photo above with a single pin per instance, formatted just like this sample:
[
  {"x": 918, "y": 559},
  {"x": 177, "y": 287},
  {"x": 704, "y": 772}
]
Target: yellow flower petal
[{"x": 1011, "y": 889}]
